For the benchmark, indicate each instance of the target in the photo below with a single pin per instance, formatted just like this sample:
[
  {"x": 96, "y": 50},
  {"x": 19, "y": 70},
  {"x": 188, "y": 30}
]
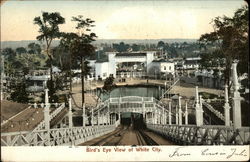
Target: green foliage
[
  {"x": 212, "y": 59},
  {"x": 121, "y": 47},
  {"x": 108, "y": 84},
  {"x": 80, "y": 44},
  {"x": 9, "y": 54},
  {"x": 19, "y": 93},
  {"x": 34, "y": 48},
  {"x": 206, "y": 95},
  {"x": 49, "y": 26},
  {"x": 21, "y": 50},
  {"x": 232, "y": 36},
  {"x": 135, "y": 47},
  {"x": 49, "y": 30}
]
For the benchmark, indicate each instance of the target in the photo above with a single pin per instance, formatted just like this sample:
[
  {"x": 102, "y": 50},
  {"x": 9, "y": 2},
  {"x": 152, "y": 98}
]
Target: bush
[{"x": 206, "y": 95}]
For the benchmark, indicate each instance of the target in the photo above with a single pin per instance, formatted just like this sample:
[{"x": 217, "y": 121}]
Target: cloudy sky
[{"x": 151, "y": 19}]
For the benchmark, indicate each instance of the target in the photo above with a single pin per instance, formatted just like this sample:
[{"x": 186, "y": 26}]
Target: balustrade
[
  {"x": 61, "y": 136},
  {"x": 204, "y": 135}
]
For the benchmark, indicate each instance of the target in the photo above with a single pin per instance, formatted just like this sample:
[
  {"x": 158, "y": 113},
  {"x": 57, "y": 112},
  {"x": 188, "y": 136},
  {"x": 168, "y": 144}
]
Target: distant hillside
[{"x": 24, "y": 43}]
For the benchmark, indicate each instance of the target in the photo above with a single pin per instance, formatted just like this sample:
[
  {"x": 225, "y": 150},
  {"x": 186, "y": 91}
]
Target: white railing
[
  {"x": 55, "y": 137},
  {"x": 41, "y": 125},
  {"x": 213, "y": 110},
  {"x": 42, "y": 105},
  {"x": 166, "y": 92},
  {"x": 38, "y": 77},
  {"x": 203, "y": 135}
]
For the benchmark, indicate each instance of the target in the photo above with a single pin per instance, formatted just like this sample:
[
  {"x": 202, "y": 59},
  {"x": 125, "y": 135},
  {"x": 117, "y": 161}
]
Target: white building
[
  {"x": 37, "y": 80},
  {"x": 191, "y": 63},
  {"x": 161, "y": 67},
  {"x": 127, "y": 64}
]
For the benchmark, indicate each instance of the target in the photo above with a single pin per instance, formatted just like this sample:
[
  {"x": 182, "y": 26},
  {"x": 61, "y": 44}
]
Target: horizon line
[{"x": 110, "y": 39}]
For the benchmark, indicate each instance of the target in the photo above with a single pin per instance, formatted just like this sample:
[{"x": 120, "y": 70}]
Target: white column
[
  {"x": 180, "y": 112},
  {"x": 46, "y": 97},
  {"x": 83, "y": 115},
  {"x": 1, "y": 93},
  {"x": 169, "y": 113},
  {"x": 92, "y": 116},
  {"x": 176, "y": 115},
  {"x": 186, "y": 114},
  {"x": 236, "y": 98},
  {"x": 70, "y": 114},
  {"x": 165, "y": 118},
  {"x": 47, "y": 123},
  {"x": 156, "y": 116},
  {"x": 108, "y": 116},
  {"x": 197, "y": 108},
  {"x": 201, "y": 111},
  {"x": 46, "y": 117},
  {"x": 143, "y": 109},
  {"x": 98, "y": 117},
  {"x": 119, "y": 105},
  {"x": 227, "y": 108}
]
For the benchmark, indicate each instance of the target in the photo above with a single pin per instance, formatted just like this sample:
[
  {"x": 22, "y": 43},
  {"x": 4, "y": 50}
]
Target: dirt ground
[{"x": 9, "y": 109}]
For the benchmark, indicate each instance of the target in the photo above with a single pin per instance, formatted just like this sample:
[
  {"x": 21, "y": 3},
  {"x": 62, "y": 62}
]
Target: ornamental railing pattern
[
  {"x": 41, "y": 125},
  {"x": 203, "y": 135},
  {"x": 213, "y": 110},
  {"x": 55, "y": 137}
]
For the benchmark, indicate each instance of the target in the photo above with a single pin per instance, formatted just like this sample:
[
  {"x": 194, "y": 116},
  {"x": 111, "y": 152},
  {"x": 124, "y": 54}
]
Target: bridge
[{"x": 167, "y": 119}]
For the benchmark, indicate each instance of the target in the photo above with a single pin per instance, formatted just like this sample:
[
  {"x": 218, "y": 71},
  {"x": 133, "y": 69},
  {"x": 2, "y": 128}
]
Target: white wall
[
  {"x": 102, "y": 70},
  {"x": 150, "y": 58},
  {"x": 167, "y": 67},
  {"x": 112, "y": 63}
]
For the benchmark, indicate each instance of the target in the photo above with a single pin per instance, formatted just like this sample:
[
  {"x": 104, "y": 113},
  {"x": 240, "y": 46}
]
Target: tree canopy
[
  {"x": 232, "y": 36},
  {"x": 49, "y": 27}
]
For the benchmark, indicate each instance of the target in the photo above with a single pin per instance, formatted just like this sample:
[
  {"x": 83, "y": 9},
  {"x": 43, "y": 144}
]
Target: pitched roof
[{"x": 130, "y": 54}]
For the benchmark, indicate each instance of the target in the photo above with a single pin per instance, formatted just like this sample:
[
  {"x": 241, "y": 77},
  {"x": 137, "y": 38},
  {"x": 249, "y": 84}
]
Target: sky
[{"x": 114, "y": 19}]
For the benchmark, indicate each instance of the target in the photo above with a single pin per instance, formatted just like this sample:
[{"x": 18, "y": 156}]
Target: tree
[
  {"x": 232, "y": 36},
  {"x": 49, "y": 30},
  {"x": 8, "y": 53},
  {"x": 161, "y": 44},
  {"x": 121, "y": 47},
  {"x": 21, "y": 50},
  {"x": 135, "y": 47},
  {"x": 81, "y": 45},
  {"x": 34, "y": 48},
  {"x": 19, "y": 93},
  {"x": 108, "y": 84},
  {"x": 66, "y": 43}
]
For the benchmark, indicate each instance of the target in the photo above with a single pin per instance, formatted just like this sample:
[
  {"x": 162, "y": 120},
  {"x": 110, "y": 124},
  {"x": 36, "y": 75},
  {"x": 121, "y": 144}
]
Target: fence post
[
  {"x": 197, "y": 107},
  {"x": 70, "y": 114},
  {"x": 180, "y": 112},
  {"x": 236, "y": 98},
  {"x": 227, "y": 107},
  {"x": 169, "y": 113},
  {"x": 186, "y": 114},
  {"x": 201, "y": 111},
  {"x": 83, "y": 115}
]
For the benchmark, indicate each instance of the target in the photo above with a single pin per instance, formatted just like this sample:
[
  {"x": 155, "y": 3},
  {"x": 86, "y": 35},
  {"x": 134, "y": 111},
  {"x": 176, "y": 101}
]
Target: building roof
[
  {"x": 162, "y": 60},
  {"x": 189, "y": 62},
  {"x": 130, "y": 54},
  {"x": 193, "y": 58},
  {"x": 101, "y": 61}
]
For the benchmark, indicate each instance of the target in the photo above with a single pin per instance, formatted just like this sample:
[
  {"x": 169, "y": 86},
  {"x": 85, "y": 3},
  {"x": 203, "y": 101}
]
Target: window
[
  {"x": 169, "y": 67},
  {"x": 165, "y": 68}
]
